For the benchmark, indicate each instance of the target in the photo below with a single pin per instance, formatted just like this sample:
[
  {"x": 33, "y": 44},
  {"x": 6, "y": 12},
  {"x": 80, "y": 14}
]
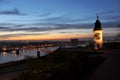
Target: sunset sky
[{"x": 57, "y": 19}]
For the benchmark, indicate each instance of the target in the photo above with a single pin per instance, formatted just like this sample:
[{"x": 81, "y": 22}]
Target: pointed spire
[
  {"x": 97, "y": 16},
  {"x": 97, "y": 24}
]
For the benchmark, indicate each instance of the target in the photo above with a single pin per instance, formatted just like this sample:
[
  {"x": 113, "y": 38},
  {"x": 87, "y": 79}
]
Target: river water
[{"x": 23, "y": 54}]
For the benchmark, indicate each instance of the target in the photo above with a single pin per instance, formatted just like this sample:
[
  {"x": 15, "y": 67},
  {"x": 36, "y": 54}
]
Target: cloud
[
  {"x": 32, "y": 29},
  {"x": 50, "y": 25},
  {"x": 6, "y": 36},
  {"x": 110, "y": 24},
  {"x": 3, "y": 28},
  {"x": 41, "y": 27},
  {"x": 12, "y": 12},
  {"x": 45, "y": 15},
  {"x": 10, "y": 25},
  {"x": 63, "y": 19}
]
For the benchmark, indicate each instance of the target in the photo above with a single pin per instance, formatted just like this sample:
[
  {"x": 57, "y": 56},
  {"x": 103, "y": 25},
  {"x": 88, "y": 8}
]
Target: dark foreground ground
[
  {"x": 66, "y": 64},
  {"x": 110, "y": 68},
  {"x": 12, "y": 70}
]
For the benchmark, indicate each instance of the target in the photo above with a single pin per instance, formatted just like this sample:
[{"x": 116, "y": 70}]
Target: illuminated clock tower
[{"x": 98, "y": 36}]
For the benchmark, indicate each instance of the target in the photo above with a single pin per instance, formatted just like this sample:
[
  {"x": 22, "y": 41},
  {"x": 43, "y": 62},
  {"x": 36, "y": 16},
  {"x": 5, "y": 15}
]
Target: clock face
[{"x": 97, "y": 36}]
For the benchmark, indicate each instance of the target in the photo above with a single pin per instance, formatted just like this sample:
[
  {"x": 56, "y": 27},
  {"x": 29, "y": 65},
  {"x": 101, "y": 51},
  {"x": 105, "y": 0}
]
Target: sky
[{"x": 57, "y": 19}]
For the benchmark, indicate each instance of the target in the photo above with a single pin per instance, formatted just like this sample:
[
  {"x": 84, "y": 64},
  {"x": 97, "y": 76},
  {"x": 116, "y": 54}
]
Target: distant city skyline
[{"x": 57, "y": 19}]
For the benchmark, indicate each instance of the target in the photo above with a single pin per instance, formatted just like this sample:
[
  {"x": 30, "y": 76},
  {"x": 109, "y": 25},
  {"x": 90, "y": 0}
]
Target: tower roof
[{"x": 97, "y": 24}]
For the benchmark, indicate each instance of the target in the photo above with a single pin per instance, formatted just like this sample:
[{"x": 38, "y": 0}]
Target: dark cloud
[
  {"x": 11, "y": 25},
  {"x": 41, "y": 27},
  {"x": 20, "y": 25},
  {"x": 12, "y": 12},
  {"x": 47, "y": 27},
  {"x": 4, "y": 28},
  {"x": 110, "y": 24}
]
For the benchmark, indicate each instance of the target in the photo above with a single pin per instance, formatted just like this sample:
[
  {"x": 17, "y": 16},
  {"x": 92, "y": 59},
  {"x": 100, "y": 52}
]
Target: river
[{"x": 23, "y": 54}]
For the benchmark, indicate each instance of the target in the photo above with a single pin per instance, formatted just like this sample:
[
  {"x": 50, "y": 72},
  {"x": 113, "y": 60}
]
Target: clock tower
[{"x": 98, "y": 36}]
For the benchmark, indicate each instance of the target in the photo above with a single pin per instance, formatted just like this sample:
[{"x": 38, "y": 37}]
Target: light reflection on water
[{"x": 12, "y": 56}]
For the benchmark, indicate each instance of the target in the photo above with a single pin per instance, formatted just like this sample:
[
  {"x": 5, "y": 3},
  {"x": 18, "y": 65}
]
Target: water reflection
[
  {"x": 23, "y": 54},
  {"x": 16, "y": 55}
]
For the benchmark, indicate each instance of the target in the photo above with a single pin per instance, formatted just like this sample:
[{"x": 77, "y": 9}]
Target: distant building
[
  {"x": 98, "y": 36},
  {"x": 74, "y": 40}
]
